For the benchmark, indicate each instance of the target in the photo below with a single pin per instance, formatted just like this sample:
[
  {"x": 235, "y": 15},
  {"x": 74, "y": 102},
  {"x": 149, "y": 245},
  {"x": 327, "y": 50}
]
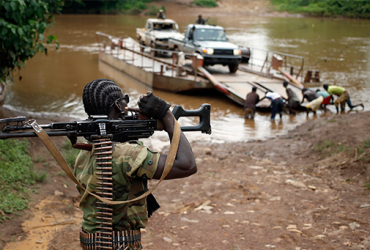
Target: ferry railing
[
  {"x": 265, "y": 60},
  {"x": 124, "y": 47}
]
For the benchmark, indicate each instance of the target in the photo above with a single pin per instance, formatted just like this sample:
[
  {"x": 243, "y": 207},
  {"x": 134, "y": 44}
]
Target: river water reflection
[{"x": 53, "y": 84}]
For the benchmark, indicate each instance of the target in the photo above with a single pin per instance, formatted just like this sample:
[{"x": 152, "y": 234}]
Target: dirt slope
[
  {"x": 308, "y": 189},
  {"x": 225, "y": 8}
]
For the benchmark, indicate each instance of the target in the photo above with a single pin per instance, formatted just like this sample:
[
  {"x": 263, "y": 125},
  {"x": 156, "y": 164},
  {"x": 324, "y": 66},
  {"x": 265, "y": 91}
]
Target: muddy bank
[
  {"x": 308, "y": 189},
  {"x": 225, "y": 8}
]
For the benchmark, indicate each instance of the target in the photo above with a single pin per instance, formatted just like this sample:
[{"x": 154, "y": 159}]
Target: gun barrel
[
  {"x": 13, "y": 119},
  {"x": 6, "y": 135}
]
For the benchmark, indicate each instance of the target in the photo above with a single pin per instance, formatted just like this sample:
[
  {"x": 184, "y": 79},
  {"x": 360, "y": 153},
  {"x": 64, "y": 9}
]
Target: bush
[
  {"x": 333, "y": 8},
  {"x": 153, "y": 10},
  {"x": 205, "y": 3},
  {"x": 131, "y": 7}
]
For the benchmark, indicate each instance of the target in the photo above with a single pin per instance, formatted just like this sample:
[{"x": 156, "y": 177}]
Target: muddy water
[{"x": 53, "y": 84}]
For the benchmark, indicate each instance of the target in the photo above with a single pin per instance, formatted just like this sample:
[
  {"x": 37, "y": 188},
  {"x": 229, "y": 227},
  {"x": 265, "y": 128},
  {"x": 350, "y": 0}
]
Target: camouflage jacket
[{"x": 133, "y": 164}]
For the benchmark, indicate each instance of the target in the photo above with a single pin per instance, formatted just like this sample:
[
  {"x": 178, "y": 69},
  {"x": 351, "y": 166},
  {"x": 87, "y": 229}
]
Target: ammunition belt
[{"x": 129, "y": 239}]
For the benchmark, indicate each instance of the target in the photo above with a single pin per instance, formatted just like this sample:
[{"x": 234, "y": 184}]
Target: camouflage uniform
[{"x": 133, "y": 164}]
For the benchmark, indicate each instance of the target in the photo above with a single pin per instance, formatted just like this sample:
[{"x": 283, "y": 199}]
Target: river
[{"x": 52, "y": 85}]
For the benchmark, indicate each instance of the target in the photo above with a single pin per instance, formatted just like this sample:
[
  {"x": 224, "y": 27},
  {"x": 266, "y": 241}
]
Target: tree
[{"x": 22, "y": 27}]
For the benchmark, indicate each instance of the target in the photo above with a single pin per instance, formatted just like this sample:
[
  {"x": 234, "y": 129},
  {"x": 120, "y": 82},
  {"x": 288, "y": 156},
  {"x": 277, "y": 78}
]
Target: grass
[
  {"x": 327, "y": 8},
  {"x": 153, "y": 10},
  {"x": 342, "y": 148},
  {"x": 324, "y": 145},
  {"x": 16, "y": 176},
  {"x": 366, "y": 143},
  {"x": 205, "y": 3},
  {"x": 69, "y": 153},
  {"x": 330, "y": 147},
  {"x": 331, "y": 121}
]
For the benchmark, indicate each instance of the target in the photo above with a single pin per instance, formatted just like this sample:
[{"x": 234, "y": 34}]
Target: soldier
[
  {"x": 132, "y": 165},
  {"x": 161, "y": 15},
  {"x": 200, "y": 20}
]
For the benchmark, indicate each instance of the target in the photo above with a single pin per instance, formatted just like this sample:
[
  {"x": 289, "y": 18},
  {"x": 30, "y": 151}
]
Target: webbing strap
[{"x": 62, "y": 162}]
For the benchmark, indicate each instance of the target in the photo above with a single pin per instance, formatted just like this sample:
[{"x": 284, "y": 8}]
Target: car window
[{"x": 210, "y": 35}]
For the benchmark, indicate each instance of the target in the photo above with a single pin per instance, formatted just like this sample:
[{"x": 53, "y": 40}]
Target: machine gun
[
  {"x": 132, "y": 127},
  {"x": 101, "y": 132}
]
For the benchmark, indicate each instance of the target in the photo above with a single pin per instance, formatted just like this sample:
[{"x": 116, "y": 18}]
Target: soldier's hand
[{"x": 153, "y": 106}]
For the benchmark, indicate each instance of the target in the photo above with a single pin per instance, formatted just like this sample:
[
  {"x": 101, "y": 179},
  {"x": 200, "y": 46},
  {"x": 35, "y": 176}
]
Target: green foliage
[
  {"x": 324, "y": 145},
  {"x": 153, "y": 10},
  {"x": 107, "y": 7},
  {"x": 22, "y": 27},
  {"x": 131, "y": 7},
  {"x": 326, "y": 8},
  {"x": 342, "y": 148},
  {"x": 205, "y": 3},
  {"x": 69, "y": 153},
  {"x": 366, "y": 143},
  {"x": 16, "y": 176}
]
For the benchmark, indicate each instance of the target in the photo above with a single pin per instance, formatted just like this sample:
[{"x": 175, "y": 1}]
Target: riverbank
[
  {"x": 307, "y": 189},
  {"x": 225, "y": 8}
]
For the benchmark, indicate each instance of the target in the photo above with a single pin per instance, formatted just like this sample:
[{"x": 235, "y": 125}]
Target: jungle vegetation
[
  {"x": 22, "y": 27},
  {"x": 325, "y": 8},
  {"x": 322, "y": 8},
  {"x": 122, "y": 6}
]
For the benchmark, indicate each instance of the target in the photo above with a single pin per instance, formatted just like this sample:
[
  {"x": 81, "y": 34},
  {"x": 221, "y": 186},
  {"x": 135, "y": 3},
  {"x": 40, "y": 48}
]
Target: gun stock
[{"x": 204, "y": 113}]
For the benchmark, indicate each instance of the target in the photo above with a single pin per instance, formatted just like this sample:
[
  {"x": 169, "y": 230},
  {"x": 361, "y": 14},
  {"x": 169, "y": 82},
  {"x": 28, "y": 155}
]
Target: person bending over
[
  {"x": 314, "y": 98},
  {"x": 277, "y": 104},
  {"x": 343, "y": 97},
  {"x": 250, "y": 103},
  {"x": 293, "y": 99}
]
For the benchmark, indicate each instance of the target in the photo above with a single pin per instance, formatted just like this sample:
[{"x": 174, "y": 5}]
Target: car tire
[
  {"x": 245, "y": 59},
  {"x": 233, "y": 67}
]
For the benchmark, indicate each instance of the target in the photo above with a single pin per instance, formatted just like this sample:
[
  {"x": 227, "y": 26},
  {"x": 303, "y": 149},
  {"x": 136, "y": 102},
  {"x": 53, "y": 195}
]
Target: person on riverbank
[
  {"x": 250, "y": 103},
  {"x": 326, "y": 98},
  {"x": 293, "y": 99},
  {"x": 314, "y": 98},
  {"x": 277, "y": 104},
  {"x": 343, "y": 97},
  {"x": 132, "y": 165}
]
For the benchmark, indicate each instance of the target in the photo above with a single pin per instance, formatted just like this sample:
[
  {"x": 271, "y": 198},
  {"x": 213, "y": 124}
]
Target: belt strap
[{"x": 62, "y": 162}]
